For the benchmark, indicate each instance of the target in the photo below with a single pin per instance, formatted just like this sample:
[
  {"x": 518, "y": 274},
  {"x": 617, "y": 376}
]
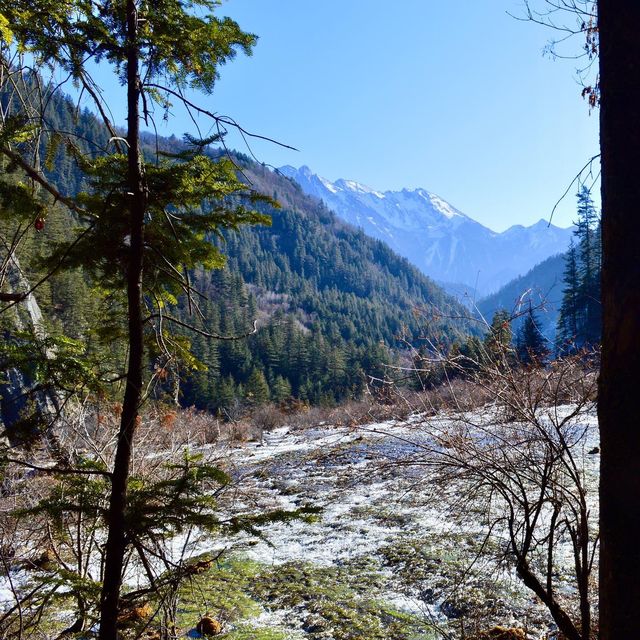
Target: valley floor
[{"x": 391, "y": 555}]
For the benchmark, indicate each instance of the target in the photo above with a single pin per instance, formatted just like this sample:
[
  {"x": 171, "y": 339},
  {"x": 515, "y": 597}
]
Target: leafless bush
[
  {"x": 524, "y": 464},
  {"x": 268, "y": 417}
]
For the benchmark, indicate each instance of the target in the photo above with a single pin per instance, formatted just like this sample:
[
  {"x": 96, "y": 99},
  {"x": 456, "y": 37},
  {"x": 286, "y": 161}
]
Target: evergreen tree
[
  {"x": 567, "y": 333},
  {"x": 280, "y": 389},
  {"x": 129, "y": 242},
  {"x": 497, "y": 343},
  {"x": 580, "y": 312},
  {"x": 532, "y": 346},
  {"x": 589, "y": 268},
  {"x": 257, "y": 388},
  {"x": 471, "y": 355}
]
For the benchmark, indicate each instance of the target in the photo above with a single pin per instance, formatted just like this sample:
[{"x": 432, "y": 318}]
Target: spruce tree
[
  {"x": 497, "y": 343},
  {"x": 257, "y": 389},
  {"x": 280, "y": 389},
  {"x": 589, "y": 268},
  {"x": 580, "y": 312},
  {"x": 532, "y": 346},
  {"x": 567, "y": 332}
]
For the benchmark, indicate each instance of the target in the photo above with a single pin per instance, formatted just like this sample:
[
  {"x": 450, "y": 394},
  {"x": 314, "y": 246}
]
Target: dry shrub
[
  {"x": 292, "y": 406},
  {"x": 309, "y": 417},
  {"x": 268, "y": 417},
  {"x": 523, "y": 462},
  {"x": 243, "y": 431}
]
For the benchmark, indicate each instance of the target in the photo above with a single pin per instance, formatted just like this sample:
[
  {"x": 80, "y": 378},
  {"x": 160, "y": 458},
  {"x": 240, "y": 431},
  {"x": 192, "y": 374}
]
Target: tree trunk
[
  {"x": 116, "y": 540},
  {"x": 618, "y": 409},
  {"x": 559, "y": 615}
]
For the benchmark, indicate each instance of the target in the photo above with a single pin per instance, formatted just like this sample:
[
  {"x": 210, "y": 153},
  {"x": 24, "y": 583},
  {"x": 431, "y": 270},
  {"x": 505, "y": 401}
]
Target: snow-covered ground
[
  {"x": 379, "y": 509},
  {"x": 373, "y": 501}
]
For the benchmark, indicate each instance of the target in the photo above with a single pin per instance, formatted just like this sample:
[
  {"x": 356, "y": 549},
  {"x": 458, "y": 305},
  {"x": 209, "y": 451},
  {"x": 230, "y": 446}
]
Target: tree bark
[
  {"x": 618, "y": 409},
  {"x": 116, "y": 540}
]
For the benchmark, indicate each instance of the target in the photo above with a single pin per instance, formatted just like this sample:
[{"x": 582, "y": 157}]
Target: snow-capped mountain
[{"x": 443, "y": 242}]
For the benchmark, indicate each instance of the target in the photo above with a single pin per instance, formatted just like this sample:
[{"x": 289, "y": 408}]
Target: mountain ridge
[
  {"x": 442, "y": 241},
  {"x": 332, "y": 305}
]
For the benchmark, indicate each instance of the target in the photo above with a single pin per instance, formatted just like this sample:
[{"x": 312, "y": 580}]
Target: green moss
[
  {"x": 343, "y": 602},
  {"x": 248, "y": 632},
  {"x": 383, "y": 515}
]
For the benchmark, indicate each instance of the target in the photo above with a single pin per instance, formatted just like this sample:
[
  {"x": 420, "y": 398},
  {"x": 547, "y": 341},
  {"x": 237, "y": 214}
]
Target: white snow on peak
[
  {"x": 442, "y": 206},
  {"x": 328, "y": 185},
  {"x": 352, "y": 185},
  {"x": 435, "y": 236}
]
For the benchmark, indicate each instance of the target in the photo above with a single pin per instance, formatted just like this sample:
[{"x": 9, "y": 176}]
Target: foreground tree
[
  {"x": 143, "y": 225},
  {"x": 617, "y": 405},
  {"x": 615, "y": 41},
  {"x": 612, "y": 36}
]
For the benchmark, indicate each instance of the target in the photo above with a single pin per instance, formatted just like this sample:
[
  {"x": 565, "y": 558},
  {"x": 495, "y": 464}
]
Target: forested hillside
[
  {"x": 542, "y": 286},
  {"x": 332, "y": 305},
  {"x": 564, "y": 289}
]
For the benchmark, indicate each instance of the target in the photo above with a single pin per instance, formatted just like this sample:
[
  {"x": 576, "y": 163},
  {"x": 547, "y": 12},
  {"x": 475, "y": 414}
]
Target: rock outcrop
[{"x": 27, "y": 409}]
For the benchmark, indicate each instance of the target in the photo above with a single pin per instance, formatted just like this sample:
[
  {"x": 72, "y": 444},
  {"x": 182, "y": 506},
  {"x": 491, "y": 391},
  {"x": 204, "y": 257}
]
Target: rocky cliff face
[{"x": 26, "y": 410}]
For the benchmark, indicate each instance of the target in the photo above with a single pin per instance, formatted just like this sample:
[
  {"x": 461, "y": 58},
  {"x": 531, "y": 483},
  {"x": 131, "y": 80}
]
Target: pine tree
[
  {"x": 471, "y": 355},
  {"x": 532, "y": 346},
  {"x": 280, "y": 389},
  {"x": 257, "y": 388},
  {"x": 129, "y": 243},
  {"x": 589, "y": 268},
  {"x": 497, "y": 343},
  {"x": 580, "y": 312},
  {"x": 567, "y": 333}
]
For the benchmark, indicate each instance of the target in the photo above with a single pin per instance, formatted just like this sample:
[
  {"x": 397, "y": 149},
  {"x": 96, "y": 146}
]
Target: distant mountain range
[{"x": 440, "y": 240}]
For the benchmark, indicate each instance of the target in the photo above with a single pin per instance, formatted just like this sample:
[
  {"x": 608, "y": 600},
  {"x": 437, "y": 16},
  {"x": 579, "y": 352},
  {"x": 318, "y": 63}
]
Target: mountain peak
[
  {"x": 352, "y": 185},
  {"x": 439, "y": 239}
]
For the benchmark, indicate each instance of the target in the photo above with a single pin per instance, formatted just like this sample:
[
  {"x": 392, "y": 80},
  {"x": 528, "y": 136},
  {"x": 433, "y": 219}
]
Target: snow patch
[
  {"x": 442, "y": 206},
  {"x": 327, "y": 185},
  {"x": 352, "y": 185}
]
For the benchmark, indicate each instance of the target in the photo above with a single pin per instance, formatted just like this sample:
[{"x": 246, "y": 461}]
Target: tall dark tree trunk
[
  {"x": 116, "y": 540},
  {"x": 618, "y": 411}
]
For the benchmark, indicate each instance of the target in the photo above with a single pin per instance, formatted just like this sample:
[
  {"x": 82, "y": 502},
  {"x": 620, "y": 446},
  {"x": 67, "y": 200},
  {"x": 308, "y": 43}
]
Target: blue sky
[{"x": 453, "y": 96}]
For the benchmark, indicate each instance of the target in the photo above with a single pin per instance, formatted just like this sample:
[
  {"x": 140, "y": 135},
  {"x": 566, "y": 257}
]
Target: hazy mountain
[{"x": 440, "y": 240}]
